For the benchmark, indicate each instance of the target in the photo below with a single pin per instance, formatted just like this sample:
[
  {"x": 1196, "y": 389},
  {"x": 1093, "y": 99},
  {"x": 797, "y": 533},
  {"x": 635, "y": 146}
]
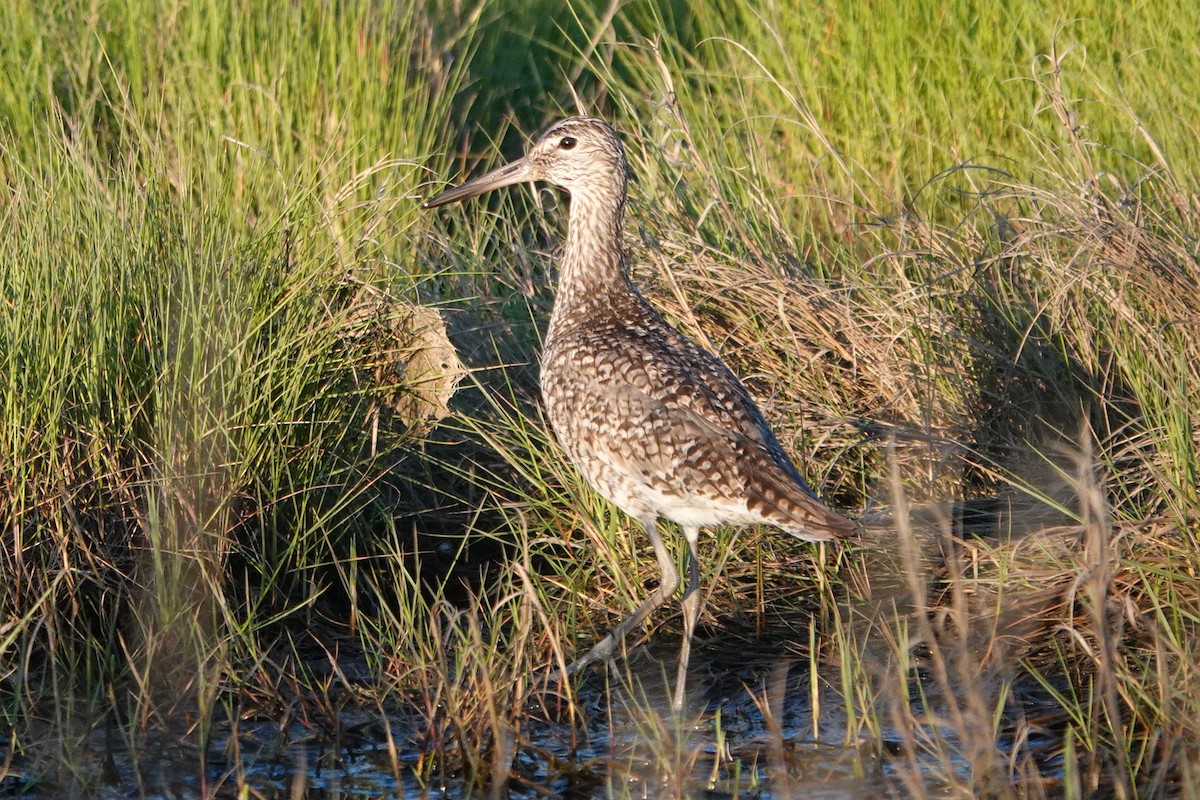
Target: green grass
[{"x": 951, "y": 249}]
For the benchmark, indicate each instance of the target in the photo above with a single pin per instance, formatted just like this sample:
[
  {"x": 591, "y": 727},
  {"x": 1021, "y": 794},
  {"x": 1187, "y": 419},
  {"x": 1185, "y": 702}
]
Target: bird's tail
[{"x": 780, "y": 501}]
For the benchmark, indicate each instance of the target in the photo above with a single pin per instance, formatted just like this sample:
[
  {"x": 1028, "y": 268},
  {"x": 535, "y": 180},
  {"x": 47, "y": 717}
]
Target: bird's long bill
[{"x": 512, "y": 172}]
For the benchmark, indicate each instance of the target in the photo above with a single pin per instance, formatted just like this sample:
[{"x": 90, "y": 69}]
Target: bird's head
[{"x": 582, "y": 155}]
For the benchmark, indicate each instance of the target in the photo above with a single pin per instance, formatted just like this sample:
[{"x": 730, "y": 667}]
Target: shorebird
[{"x": 654, "y": 423}]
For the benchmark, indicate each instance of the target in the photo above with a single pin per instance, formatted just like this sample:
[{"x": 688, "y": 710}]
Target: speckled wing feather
[
  {"x": 631, "y": 342},
  {"x": 696, "y": 379},
  {"x": 641, "y": 444}
]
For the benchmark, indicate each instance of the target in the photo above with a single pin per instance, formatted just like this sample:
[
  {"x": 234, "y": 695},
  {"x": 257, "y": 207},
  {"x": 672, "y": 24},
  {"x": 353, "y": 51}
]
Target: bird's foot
[{"x": 601, "y": 652}]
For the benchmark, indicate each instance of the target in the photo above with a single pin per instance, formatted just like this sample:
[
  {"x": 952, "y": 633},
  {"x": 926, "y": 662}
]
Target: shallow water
[{"x": 759, "y": 726}]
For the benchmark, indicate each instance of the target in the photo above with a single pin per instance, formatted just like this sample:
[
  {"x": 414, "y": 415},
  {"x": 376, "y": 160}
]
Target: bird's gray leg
[
  {"x": 666, "y": 587},
  {"x": 691, "y": 611}
]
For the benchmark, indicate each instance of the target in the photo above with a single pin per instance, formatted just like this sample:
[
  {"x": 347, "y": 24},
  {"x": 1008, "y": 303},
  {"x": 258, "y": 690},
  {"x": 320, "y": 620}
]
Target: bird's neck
[{"x": 591, "y": 269}]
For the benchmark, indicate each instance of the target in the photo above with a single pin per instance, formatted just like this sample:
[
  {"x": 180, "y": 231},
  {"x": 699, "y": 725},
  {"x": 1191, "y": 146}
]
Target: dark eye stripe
[{"x": 567, "y": 142}]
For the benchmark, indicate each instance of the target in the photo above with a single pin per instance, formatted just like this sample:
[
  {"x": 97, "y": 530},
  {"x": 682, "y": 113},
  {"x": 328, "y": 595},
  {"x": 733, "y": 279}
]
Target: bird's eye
[{"x": 567, "y": 142}]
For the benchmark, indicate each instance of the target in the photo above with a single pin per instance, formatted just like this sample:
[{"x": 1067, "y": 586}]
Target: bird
[{"x": 654, "y": 423}]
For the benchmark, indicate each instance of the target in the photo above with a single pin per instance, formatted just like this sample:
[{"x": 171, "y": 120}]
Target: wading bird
[{"x": 654, "y": 423}]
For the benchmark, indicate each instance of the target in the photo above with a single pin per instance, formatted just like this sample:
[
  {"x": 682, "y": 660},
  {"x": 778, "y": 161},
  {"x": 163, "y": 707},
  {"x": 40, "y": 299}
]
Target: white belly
[{"x": 684, "y": 505}]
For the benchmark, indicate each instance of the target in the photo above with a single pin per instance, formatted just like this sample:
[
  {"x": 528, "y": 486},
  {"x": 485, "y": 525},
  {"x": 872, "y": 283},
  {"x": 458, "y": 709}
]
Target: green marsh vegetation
[{"x": 953, "y": 251}]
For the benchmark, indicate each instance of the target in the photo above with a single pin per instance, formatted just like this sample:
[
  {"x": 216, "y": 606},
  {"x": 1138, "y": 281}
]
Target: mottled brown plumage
[{"x": 655, "y": 423}]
